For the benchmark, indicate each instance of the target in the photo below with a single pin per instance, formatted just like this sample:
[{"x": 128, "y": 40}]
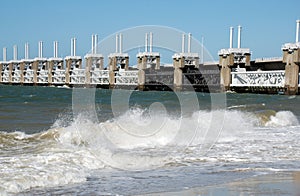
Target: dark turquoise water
[
  {"x": 109, "y": 142},
  {"x": 34, "y": 109}
]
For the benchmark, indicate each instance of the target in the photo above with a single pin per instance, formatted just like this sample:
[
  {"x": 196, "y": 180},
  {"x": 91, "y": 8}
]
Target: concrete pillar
[
  {"x": 88, "y": 67},
  {"x": 150, "y": 59},
  {"x": 10, "y": 67},
  {"x": 22, "y": 67},
  {"x": 36, "y": 65},
  {"x": 248, "y": 58},
  {"x": 157, "y": 66},
  {"x": 72, "y": 61},
  {"x": 68, "y": 68},
  {"x": 141, "y": 79},
  {"x": 197, "y": 63},
  {"x": 112, "y": 69},
  {"x": 52, "y": 63},
  {"x": 126, "y": 63},
  {"x": 178, "y": 64},
  {"x": 177, "y": 79},
  {"x": 1, "y": 67},
  {"x": 225, "y": 61},
  {"x": 142, "y": 65},
  {"x": 35, "y": 68},
  {"x": 292, "y": 60},
  {"x": 90, "y": 61},
  {"x": 50, "y": 70},
  {"x": 1, "y": 70}
]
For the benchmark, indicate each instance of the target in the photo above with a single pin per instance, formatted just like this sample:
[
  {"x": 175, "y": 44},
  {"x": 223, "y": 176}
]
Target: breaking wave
[{"x": 69, "y": 154}]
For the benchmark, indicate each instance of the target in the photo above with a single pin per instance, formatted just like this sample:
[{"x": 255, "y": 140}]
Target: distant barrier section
[{"x": 235, "y": 71}]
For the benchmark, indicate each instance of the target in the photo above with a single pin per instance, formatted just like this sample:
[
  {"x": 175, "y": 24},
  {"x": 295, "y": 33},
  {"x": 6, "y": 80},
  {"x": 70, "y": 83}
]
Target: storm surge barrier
[{"x": 235, "y": 71}]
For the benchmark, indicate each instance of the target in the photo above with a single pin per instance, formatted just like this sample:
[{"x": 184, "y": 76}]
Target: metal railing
[
  {"x": 5, "y": 76},
  {"x": 99, "y": 77},
  {"x": 268, "y": 59},
  {"x": 258, "y": 79},
  {"x": 77, "y": 76},
  {"x": 42, "y": 76},
  {"x": 59, "y": 77},
  {"x": 126, "y": 77},
  {"x": 28, "y": 76},
  {"x": 16, "y": 76}
]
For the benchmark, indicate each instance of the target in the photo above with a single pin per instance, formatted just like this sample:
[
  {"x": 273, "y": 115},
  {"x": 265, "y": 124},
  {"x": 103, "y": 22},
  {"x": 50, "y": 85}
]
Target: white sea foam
[
  {"x": 69, "y": 154},
  {"x": 282, "y": 119}
]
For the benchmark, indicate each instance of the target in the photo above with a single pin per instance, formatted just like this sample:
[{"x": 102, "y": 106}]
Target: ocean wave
[{"x": 136, "y": 140}]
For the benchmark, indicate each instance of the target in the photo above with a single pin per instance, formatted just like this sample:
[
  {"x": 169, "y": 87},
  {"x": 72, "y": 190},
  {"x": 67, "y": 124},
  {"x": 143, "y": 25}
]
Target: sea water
[{"x": 140, "y": 142}]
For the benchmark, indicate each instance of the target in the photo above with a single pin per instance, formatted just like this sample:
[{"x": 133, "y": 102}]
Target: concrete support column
[
  {"x": 50, "y": 70},
  {"x": 76, "y": 61},
  {"x": 88, "y": 66},
  {"x": 248, "y": 58},
  {"x": 126, "y": 63},
  {"x": 22, "y": 67},
  {"x": 141, "y": 79},
  {"x": 1, "y": 67},
  {"x": 157, "y": 66},
  {"x": 35, "y": 66},
  {"x": 68, "y": 68},
  {"x": 92, "y": 61},
  {"x": 177, "y": 79},
  {"x": 292, "y": 60},
  {"x": 51, "y": 65},
  {"x": 178, "y": 65},
  {"x": 101, "y": 64},
  {"x": 225, "y": 72},
  {"x": 142, "y": 65},
  {"x": 10, "y": 69},
  {"x": 112, "y": 69},
  {"x": 197, "y": 63}
]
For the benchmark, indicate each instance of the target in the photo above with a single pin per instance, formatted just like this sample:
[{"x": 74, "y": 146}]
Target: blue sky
[{"x": 266, "y": 24}]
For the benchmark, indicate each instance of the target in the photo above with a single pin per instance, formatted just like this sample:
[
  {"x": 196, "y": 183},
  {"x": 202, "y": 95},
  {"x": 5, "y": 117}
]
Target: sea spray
[{"x": 70, "y": 154}]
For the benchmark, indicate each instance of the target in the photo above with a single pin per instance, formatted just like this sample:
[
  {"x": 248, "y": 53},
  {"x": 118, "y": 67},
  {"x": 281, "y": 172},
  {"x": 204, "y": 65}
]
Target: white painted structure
[
  {"x": 239, "y": 36},
  {"x": 297, "y": 30},
  {"x": 258, "y": 79},
  {"x": 28, "y": 73},
  {"x": 99, "y": 77},
  {"x": 126, "y": 77}
]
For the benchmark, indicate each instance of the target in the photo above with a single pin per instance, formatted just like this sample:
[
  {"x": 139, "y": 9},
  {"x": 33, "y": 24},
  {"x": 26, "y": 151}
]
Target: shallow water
[{"x": 131, "y": 142}]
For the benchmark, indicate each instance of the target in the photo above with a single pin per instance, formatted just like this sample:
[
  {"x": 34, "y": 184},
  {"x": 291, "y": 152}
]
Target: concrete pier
[
  {"x": 93, "y": 61},
  {"x": 147, "y": 60},
  {"x": 178, "y": 63},
  {"x": 118, "y": 61},
  {"x": 183, "y": 60},
  {"x": 73, "y": 62},
  {"x": 55, "y": 64},
  {"x": 291, "y": 58},
  {"x": 40, "y": 67},
  {"x": 232, "y": 58}
]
